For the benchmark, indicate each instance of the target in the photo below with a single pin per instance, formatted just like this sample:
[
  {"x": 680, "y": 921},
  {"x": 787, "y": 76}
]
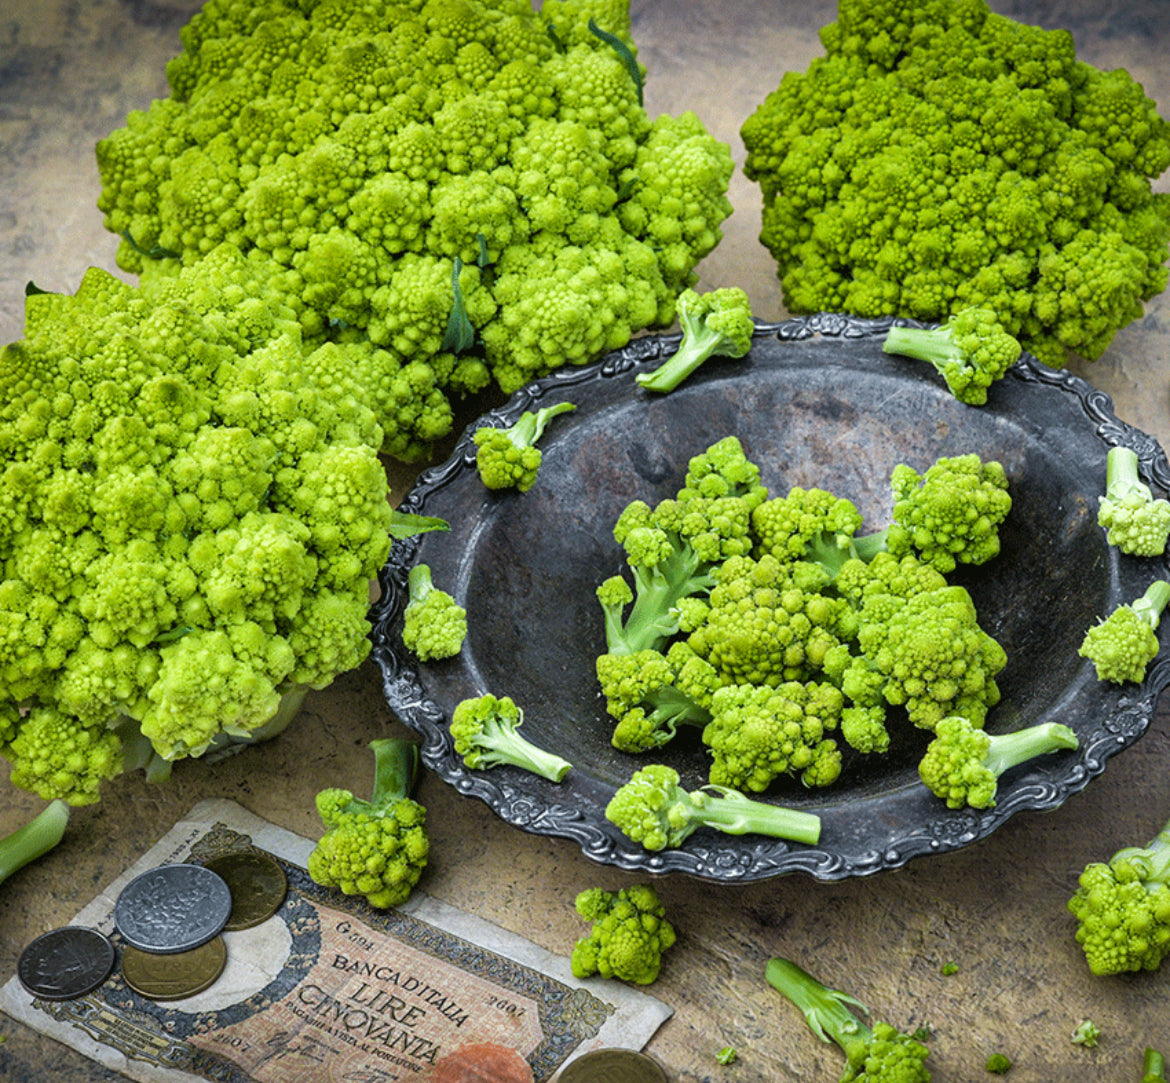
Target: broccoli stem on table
[
  {"x": 396, "y": 764},
  {"x": 34, "y": 839},
  {"x": 1154, "y": 1067}
]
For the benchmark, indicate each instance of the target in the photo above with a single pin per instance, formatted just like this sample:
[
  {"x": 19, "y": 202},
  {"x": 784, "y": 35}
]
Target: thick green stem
[
  {"x": 932, "y": 345},
  {"x": 1121, "y": 475},
  {"x": 530, "y": 425},
  {"x": 419, "y": 583},
  {"x": 1154, "y": 1067},
  {"x": 650, "y": 622},
  {"x": 1009, "y": 750},
  {"x": 697, "y": 345},
  {"x": 503, "y": 744},
  {"x": 35, "y": 838},
  {"x": 827, "y": 1011},
  {"x": 1152, "y": 604},
  {"x": 729, "y": 811},
  {"x": 396, "y": 763}
]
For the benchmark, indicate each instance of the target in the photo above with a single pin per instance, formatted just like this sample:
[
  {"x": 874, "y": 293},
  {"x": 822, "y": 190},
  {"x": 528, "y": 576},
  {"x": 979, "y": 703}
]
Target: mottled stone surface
[{"x": 69, "y": 72}]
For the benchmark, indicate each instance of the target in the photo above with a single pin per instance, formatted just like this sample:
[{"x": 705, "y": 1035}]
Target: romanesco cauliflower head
[
  {"x": 1123, "y": 645},
  {"x": 1136, "y": 522},
  {"x": 629, "y": 935},
  {"x": 1043, "y": 211},
  {"x": 434, "y": 625},
  {"x": 394, "y": 165},
  {"x": 194, "y": 518},
  {"x": 376, "y": 848},
  {"x": 953, "y": 766}
]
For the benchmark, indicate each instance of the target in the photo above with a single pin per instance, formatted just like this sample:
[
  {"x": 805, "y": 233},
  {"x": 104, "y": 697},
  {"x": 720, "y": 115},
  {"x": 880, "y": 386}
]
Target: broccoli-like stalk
[
  {"x": 376, "y": 848},
  {"x": 1122, "y": 907},
  {"x": 1124, "y": 643},
  {"x": 486, "y": 734},
  {"x": 970, "y": 351},
  {"x": 714, "y": 324},
  {"x": 963, "y": 763},
  {"x": 35, "y": 839},
  {"x": 653, "y": 809},
  {"x": 1137, "y": 523},
  {"x": 629, "y": 934},
  {"x": 1153, "y": 1066},
  {"x": 875, "y": 1054},
  {"x": 434, "y": 625},
  {"x": 508, "y": 458}
]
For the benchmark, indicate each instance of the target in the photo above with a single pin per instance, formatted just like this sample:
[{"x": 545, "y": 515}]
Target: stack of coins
[{"x": 172, "y": 919}]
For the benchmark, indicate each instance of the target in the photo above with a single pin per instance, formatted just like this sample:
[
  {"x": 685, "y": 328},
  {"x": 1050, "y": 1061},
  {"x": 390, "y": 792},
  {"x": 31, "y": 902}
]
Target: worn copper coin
[
  {"x": 172, "y": 908},
  {"x": 257, "y": 883},
  {"x": 612, "y": 1066},
  {"x": 175, "y": 975},
  {"x": 65, "y": 963}
]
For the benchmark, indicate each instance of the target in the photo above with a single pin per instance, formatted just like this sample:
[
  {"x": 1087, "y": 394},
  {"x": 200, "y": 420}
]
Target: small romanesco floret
[
  {"x": 672, "y": 548},
  {"x": 879, "y": 1053},
  {"x": 508, "y": 458},
  {"x": 1122, "y": 907},
  {"x": 963, "y": 764},
  {"x": 1137, "y": 522},
  {"x": 629, "y": 936},
  {"x": 485, "y": 730},
  {"x": 971, "y": 350},
  {"x": 655, "y": 811},
  {"x": 1087, "y": 1033},
  {"x": 714, "y": 324},
  {"x": 376, "y": 848},
  {"x": 434, "y": 625},
  {"x": 33, "y": 839},
  {"x": 1124, "y": 643},
  {"x": 998, "y": 1063}
]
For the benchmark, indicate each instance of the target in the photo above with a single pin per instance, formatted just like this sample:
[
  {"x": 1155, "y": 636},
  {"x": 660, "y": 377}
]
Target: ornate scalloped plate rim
[{"x": 948, "y": 831}]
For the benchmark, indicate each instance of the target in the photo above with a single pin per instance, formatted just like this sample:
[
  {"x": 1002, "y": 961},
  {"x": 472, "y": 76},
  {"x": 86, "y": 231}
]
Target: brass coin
[
  {"x": 612, "y": 1066},
  {"x": 175, "y": 975},
  {"x": 257, "y": 883}
]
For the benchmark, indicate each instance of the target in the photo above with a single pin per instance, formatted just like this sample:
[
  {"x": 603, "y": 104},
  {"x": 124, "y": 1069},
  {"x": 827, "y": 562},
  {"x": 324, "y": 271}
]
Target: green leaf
[
  {"x": 624, "y": 54},
  {"x": 404, "y": 524},
  {"x": 460, "y": 335}
]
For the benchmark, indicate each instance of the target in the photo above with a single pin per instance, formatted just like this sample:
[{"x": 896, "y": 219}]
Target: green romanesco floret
[
  {"x": 1136, "y": 522},
  {"x": 486, "y": 733},
  {"x": 655, "y": 811},
  {"x": 808, "y": 524},
  {"x": 1123, "y": 644},
  {"x": 1153, "y": 1066},
  {"x": 651, "y": 694},
  {"x": 878, "y": 1053},
  {"x": 434, "y": 625},
  {"x": 507, "y": 457},
  {"x": 970, "y": 350},
  {"x": 1122, "y": 907},
  {"x": 713, "y": 324},
  {"x": 960, "y": 159},
  {"x": 759, "y": 733},
  {"x": 671, "y": 548},
  {"x": 629, "y": 935},
  {"x": 376, "y": 848},
  {"x": 998, "y": 1063},
  {"x": 1087, "y": 1033},
  {"x": 392, "y": 167},
  {"x": 963, "y": 763},
  {"x": 33, "y": 839},
  {"x": 197, "y": 508}
]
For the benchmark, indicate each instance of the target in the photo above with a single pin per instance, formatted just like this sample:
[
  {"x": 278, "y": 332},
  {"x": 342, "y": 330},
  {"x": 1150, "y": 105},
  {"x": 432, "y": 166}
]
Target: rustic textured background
[{"x": 69, "y": 72}]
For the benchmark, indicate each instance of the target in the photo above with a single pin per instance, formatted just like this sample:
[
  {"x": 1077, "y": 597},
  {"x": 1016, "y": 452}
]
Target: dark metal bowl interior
[{"x": 816, "y": 402}]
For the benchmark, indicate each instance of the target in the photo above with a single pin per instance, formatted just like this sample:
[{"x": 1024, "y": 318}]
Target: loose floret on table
[
  {"x": 1124, "y": 643},
  {"x": 1087, "y": 1033},
  {"x": 1122, "y": 907},
  {"x": 998, "y": 1064},
  {"x": 879, "y": 1053},
  {"x": 1153, "y": 1066},
  {"x": 33, "y": 839},
  {"x": 376, "y": 848},
  {"x": 963, "y": 764},
  {"x": 654, "y": 810},
  {"x": 508, "y": 458},
  {"x": 971, "y": 350},
  {"x": 713, "y": 324},
  {"x": 1137, "y": 522},
  {"x": 485, "y": 730},
  {"x": 434, "y": 625},
  {"x": 630, "y": 933}
]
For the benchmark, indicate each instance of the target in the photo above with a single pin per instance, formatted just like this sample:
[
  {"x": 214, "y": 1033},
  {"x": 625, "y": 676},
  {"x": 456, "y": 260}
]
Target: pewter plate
[{"x": 815, "y": 402}]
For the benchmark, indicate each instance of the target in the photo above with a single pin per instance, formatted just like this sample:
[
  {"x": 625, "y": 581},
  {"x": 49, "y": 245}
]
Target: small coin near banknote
[
  {"x": 172, "y": 908},
  {"x": 257, "y": 883},
  {"x": 65, "y": 963},
  {"x": 612, "y": 1066},
  {"x": 175, "y": 975}
]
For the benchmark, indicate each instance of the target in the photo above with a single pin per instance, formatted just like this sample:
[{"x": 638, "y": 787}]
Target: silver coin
[
  {"x": 173, "y": 908},
  {"x": 65, "y": 963}
]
